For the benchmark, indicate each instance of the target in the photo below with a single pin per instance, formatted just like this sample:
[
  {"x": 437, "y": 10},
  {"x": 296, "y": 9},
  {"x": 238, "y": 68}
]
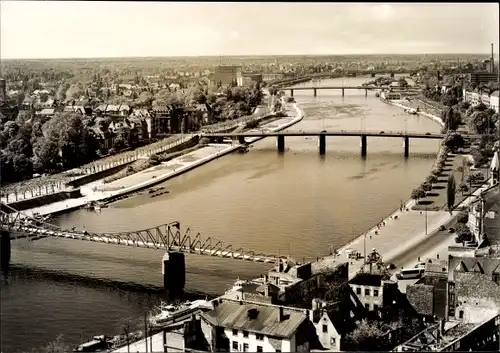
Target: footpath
[
  {"x": 399, "y": 232},
  {"x": 98, "y": 191}
]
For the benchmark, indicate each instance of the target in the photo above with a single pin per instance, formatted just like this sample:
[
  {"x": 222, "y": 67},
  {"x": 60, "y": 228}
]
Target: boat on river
[{"x": 169, "y": 313}]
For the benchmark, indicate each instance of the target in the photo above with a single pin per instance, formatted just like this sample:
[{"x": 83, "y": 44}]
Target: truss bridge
[{"x": 167, "y": 237}]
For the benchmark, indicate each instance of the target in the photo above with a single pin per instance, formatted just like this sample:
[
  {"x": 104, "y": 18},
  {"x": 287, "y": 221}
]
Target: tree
[
  {"x": 366, "y": 336},
  {"x": 463, "y": 234},
  {"x": 463, "y": 188},
  {"x": 463, "y": 217},
  {"x": 450, "y": 192},
  {"x": 418, "y": 193},
  {"x": 454, "y": 140},
  {"x": 448, "y": 99}
]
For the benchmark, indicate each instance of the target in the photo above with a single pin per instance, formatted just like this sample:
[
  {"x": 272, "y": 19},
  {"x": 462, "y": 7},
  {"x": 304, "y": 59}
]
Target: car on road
[
  {"x": 427, "y": 133},
  {"x": 323, "y": 132},
  {"x": 391, "y": 266}
]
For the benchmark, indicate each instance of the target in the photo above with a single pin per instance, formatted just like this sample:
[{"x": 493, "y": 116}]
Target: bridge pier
[
  {"x": 343, "y": 92},
  {"x": 406, "y": 145},
  {"x": 366, "y": 92},
  {"x": 4, "y": 250},
  {"x": 174, "y": 272},
  {"x": 373, "y": 74},
  {"x": 241, "y": 140},
  {"x": 280, "y": 143},
  {"x": 392, "y": 74},
  {"x": 322, "y": 144},
  {"x": 291, "y": 93},
  {"x": 363, "y": 145},
  {"x": 315, "y": 92}
]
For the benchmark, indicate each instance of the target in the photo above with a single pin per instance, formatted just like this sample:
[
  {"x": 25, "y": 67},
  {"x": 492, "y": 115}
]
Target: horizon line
[{"x": 241, "y": 55}]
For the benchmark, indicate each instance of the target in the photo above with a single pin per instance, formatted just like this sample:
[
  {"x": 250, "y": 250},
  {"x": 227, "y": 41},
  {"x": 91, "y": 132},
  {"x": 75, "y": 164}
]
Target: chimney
[
  {"x": 281, "y": 314},
  {"x": 279, "y": 265},
  {"x": 492, "y": 61}
]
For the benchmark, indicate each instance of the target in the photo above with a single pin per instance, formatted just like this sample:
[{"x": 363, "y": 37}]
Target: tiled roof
[
  {"x": 476, "y": 285},
  {"x": 235, "y": 315},
  {"x": 368, "y": 279},
  {"x": 467, "y": 264},
  {"x": 421, "y": 297}
]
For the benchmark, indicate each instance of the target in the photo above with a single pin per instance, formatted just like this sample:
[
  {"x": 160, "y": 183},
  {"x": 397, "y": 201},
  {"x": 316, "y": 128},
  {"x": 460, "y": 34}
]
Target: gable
[
  {"x": 461, "y": 267},
  {"x": 325, "y": 320},
  {"x": 478, "y": 268}
]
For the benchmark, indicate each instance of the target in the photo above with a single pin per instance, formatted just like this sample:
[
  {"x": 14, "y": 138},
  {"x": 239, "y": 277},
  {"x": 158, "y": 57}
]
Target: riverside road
[{"x": 297, "y": 203}]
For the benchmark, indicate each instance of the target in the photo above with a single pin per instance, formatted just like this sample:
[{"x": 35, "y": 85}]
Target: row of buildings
[
  {"x": 454, "y": 306},
  {"x": 488, "y": 99},
  {"x": 233, "y": 74}
]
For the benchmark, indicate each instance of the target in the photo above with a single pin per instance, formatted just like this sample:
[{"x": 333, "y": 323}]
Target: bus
[{"x": 410, "y": 273}]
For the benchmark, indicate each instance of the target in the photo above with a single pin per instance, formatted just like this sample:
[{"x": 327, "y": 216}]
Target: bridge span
[
  {"x": 363, "y": 134},
  {"x": 168, "y": 237},
  {"x": 406, "y": 136}
]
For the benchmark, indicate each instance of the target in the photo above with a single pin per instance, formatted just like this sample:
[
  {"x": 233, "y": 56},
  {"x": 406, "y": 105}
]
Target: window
[
  {"x": 367, "y": 291},
  {"x": 461, "y": 314},
  {"x": 235, "y": 346},
  {"x": 245, "y": 347},
  {"x": 259, "y": 337},
  {"x": 332, "y": 341},
  {"x": 375, "y": 292},
  {"x": 367, "y": 306},
  {"x": 375, "y": 307},
  {"x": 358, "y": 290},
  {"x": 325, "y": 328},
  {"x": 259, "y": 349},
  {"x": 245, "y": 334},
  {"x": 278, "y": 350},
  {"x": 235, "y": 332},
  {"x": 496, "y": 277}
]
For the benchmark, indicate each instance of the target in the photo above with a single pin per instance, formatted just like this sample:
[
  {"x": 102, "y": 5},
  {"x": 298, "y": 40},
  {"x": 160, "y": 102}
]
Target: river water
[{"x": 297, "y": 203}]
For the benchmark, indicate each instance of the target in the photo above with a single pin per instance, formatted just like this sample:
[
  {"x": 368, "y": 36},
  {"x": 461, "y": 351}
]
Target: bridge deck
[
  {"x": 332, "y": 133},
  {"x": 166, "y": 237}
]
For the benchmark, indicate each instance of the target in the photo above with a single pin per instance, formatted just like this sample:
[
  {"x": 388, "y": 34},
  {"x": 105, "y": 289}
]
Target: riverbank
[
  {"x": 101, "y": 192},
  {"x": 404, "y": 226}
]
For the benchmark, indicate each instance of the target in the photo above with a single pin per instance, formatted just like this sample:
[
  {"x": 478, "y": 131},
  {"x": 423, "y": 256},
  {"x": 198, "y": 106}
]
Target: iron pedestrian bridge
[{"x": 167, "y": 237}]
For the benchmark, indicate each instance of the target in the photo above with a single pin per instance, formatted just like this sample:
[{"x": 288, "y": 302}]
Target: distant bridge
[
  {"x": 343, "y": 88},
  {"x": 363, "y": 134},
  {"x": 168, "y": 237}
]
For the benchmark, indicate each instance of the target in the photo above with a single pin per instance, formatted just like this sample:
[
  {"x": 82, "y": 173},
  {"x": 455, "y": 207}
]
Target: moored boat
[{"x": 167, "y": 313}]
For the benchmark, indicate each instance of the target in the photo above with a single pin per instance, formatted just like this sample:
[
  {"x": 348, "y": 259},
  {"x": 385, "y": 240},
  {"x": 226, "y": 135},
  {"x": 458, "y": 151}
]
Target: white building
[
  {"x": 474, "y": 98},
  {"x": 242, "y": 326}
]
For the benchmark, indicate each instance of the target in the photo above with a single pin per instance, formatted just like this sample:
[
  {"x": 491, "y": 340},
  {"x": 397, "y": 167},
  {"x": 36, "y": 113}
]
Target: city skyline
[{"x": 134, "y": 29}]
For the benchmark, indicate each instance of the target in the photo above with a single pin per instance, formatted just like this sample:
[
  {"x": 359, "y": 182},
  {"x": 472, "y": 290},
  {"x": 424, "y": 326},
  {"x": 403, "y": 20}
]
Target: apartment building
[
  {"x": 474, "y": 98},
  {"x": 241, "y": 326}
]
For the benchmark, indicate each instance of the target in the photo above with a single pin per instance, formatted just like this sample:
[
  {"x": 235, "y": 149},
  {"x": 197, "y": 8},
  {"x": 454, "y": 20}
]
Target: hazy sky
[{"x": 45, "y": 29}]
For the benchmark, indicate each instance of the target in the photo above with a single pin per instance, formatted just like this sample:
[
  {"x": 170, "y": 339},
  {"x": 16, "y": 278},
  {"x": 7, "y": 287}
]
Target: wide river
[{"x": 297, "y": 203}]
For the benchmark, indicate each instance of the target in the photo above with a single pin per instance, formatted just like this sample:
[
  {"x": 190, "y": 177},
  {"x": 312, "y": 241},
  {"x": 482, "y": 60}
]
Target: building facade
[{"x": 227, "y": 75}]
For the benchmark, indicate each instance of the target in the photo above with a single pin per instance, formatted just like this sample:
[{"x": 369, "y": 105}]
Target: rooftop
[
  {"x": 369, "y": 279},
  {"x": 255, "y": 317}
]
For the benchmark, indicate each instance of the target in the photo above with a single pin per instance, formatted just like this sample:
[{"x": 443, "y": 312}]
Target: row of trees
[{"x": 28, "y": 144}]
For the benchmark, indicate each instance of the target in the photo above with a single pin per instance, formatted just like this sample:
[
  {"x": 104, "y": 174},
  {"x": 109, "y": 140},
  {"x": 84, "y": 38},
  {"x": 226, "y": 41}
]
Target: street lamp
[{"x": 426, "y": 221}]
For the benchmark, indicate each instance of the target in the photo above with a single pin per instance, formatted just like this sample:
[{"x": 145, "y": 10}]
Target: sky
[{"x": 45, "y": 29}]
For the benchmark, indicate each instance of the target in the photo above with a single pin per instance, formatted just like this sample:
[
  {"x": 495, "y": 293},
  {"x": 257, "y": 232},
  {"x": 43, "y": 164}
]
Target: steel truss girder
[{"x": 168, "y": 237}]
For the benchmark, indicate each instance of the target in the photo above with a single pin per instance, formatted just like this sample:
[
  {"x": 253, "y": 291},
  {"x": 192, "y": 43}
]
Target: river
[{"x": 297, "y": 203}]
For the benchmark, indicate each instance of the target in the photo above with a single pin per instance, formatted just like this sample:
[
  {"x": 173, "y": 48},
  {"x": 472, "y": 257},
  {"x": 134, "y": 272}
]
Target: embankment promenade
[
  {"x": 98, "y": 191},
  {"x": 399, "y": 232}
]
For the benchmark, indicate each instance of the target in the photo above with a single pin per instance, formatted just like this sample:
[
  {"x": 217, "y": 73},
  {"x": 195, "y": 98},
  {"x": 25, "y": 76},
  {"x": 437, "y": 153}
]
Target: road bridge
[
  {"x": 363, "y": 134},
  {"x": 343, "y": 88}
]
